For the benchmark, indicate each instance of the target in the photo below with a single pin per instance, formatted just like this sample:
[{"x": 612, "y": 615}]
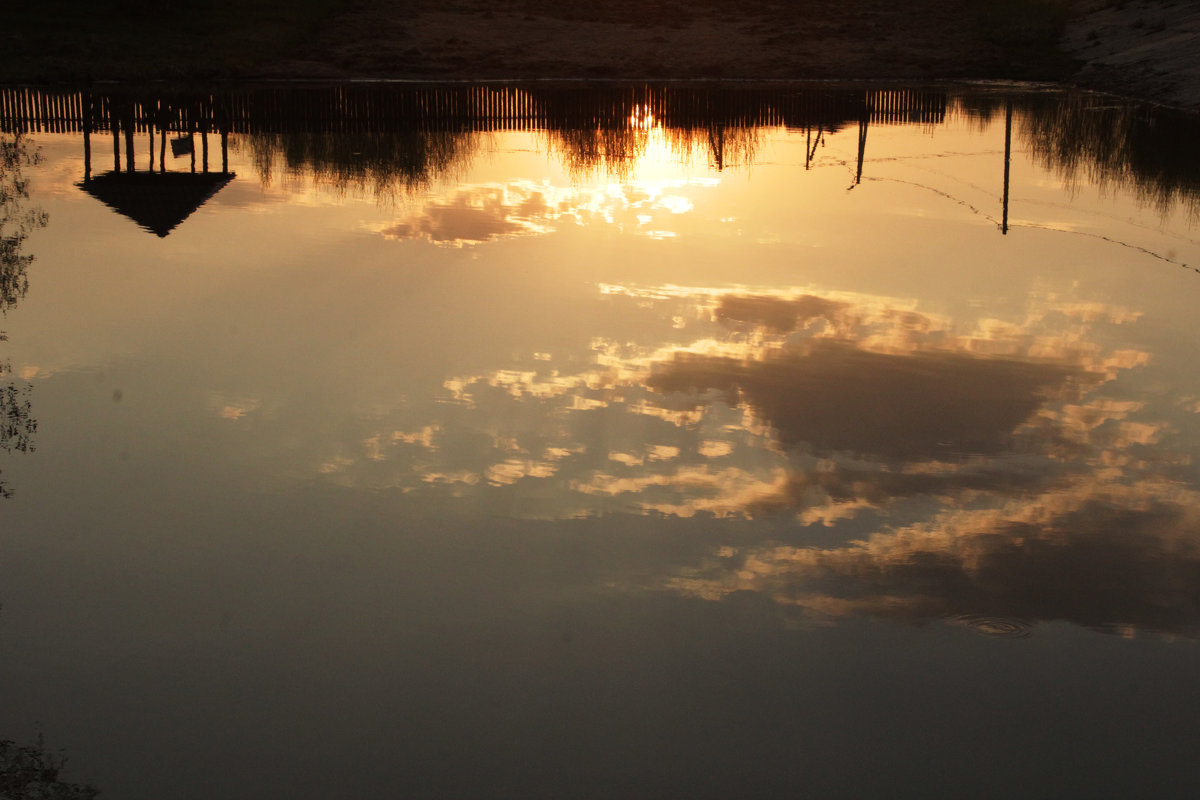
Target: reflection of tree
[
  {"x": 615, "y": 150},
  {"x": 387, "y": 140},
  {"x": 17, "y": 221},
  {"x": 382, "y": 164},
  {"x": 17, "y": 426},
  {"x": 28, "y": 772},
  {"x": 389, "y": 164},
  {"x": 1149, "y": 151}
]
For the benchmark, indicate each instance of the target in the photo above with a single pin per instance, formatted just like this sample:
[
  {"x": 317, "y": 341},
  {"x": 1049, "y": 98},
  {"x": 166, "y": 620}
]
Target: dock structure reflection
[{"x": 155, "y": 199}]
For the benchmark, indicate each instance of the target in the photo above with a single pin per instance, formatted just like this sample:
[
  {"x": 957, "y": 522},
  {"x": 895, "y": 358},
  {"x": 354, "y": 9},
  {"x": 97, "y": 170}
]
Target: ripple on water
[{"x": 994, "y": 627}]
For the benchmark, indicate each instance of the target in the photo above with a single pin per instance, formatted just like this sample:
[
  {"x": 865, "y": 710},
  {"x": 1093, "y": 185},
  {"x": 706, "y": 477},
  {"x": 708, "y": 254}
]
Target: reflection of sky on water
[
  {"x": 1119, "y": 558},
  {"x": 866, "y": 381},
  {"x": 976, "y": 462},
  {"x": 342, "y": 472},
  {"x": 886, "y": 417}
]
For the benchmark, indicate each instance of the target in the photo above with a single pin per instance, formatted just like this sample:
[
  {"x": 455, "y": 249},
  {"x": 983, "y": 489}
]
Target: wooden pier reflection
[{"x": 157, "y": 200}]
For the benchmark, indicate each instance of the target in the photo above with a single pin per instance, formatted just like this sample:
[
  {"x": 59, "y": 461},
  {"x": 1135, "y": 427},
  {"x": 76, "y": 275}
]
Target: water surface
[{"x": 533, "y": 441}]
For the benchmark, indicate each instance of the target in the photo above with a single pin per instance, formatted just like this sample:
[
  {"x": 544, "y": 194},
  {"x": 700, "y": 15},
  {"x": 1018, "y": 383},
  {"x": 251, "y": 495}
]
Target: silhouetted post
[
  {"x": 862, "y": 145},
  {"x": 810, "y": 152},
  {"x": 116, "y": 131},
  {"x": 151, "y": 134},
  {"x": 87, "y": 137},
  {"x": 204, "y": 144},
  {"x": 129, "y": 142},
  {"x": 717, "y": 145},
  {"x": 1007, "y": 160},
  {"x": 225, "y": 149}
]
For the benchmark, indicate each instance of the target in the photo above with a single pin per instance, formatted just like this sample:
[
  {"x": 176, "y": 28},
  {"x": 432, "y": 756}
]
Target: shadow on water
[{"x": 17, "y": 221}]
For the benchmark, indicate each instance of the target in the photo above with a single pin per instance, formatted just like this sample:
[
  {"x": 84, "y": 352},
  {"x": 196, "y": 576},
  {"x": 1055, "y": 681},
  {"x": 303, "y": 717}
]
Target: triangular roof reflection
[{"x": 158, "y": 202}]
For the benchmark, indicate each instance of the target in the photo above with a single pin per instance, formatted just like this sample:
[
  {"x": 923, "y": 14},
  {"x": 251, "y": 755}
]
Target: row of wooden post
[{"x": 378, "y": 108}]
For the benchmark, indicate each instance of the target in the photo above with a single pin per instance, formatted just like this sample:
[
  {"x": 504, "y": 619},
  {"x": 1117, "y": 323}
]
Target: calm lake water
[{"x": 536, "y": 441}]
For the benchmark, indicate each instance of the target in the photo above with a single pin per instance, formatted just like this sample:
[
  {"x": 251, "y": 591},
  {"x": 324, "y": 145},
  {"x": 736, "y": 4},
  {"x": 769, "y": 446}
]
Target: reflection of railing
[
  {"x": 380, "y": 107},
  {"x": 43, "y": 111}
]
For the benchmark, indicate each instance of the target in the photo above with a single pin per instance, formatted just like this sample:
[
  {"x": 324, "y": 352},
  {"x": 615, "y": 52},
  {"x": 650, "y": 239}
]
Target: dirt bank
[
  {"x": 1142, "y": 48},
  {"x": 919, "y": 39},
  {"x": 1145, "y": 49}
]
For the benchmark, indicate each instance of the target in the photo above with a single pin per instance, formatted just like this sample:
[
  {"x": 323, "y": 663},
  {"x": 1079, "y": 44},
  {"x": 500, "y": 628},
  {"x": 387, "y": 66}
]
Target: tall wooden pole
[
  {"x": 862, "y": 146},
  {"x": 116, "y": 132},
  {"x": 129, "y": 165},
  {"x": 87, "y": 138},
  {"x": 1007, "y": 160}
]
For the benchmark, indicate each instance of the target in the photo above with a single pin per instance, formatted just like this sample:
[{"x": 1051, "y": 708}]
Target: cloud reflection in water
[
  {"x": 984, "y": 470},
  {"x": 475, "y": 214}
]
